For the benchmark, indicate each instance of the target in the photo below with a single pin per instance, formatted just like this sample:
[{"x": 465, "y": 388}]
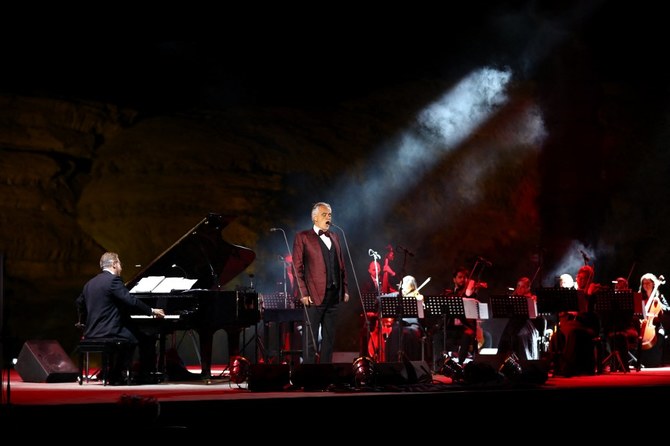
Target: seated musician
[
  {"x": 520, "y": 335},
  {"x": 621, "y": 330},
  {"x": 651, "y": 327},
  {"x": 573, "y": 343},
  {"x": 405, "y": 340},
  {"x": 105, "y": 305},
  {"x": 460, "y": 333},
  {"x": 371, "y": 333}
]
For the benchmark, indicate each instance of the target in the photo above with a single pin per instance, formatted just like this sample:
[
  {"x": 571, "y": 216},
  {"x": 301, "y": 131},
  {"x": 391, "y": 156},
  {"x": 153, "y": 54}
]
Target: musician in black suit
[
  {"x": 322, "y": 283},
  {"x": 520, "y": 335},
  {"x": 105, "y": 306},
  {"x": 460, "y": 332},
  {"x": 577, "y": 331}
]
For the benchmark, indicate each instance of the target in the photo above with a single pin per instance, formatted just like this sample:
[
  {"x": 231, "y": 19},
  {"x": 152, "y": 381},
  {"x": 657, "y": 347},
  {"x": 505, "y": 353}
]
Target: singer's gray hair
[{"x": 315, "y": 208}]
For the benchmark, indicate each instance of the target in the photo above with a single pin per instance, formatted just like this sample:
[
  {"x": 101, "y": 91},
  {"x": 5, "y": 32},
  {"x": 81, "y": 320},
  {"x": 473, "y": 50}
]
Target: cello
[{"x": 652, "y": 309}]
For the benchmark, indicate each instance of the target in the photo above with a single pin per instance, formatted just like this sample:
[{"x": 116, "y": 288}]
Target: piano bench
[{"x": 106, "y": 348}]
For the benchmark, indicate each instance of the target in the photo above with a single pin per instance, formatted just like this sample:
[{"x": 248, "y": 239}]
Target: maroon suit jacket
[{"x": 310, "y": 265}]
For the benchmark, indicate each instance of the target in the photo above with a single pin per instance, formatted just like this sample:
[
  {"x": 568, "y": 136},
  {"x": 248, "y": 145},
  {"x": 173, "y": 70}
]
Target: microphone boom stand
[{"x": 308, "y": 323}]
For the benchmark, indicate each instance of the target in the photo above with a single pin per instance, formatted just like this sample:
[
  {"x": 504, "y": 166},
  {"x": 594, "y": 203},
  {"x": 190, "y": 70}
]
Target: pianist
[{"x": 104, "y": 307}]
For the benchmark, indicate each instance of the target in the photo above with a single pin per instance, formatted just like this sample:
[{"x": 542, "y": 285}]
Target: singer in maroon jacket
[{"x": 322, "y": 283}]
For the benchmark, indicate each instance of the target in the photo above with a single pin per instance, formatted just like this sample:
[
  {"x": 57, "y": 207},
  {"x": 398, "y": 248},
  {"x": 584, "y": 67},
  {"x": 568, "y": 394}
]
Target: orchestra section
[{"x": 212, "y": 323}]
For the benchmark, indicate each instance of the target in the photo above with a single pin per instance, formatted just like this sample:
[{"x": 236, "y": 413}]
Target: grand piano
[{"x": 201, "y": 255}]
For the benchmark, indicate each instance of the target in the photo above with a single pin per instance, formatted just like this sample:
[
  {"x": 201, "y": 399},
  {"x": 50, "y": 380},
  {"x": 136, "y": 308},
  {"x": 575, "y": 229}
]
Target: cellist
[{"x": 652, "y": 333}]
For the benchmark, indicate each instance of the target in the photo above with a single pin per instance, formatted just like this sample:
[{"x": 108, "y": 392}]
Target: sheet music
[
  {"x": 146, "y": 284},
  {"x": 174, "y": 283},
  {"x": 474, "y": 309},
  {"x": 483, "y": 310}
]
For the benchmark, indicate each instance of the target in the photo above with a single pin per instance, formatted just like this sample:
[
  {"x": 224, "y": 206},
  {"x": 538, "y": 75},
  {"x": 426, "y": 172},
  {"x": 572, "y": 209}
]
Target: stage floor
[{"x": 205, "y": 406}]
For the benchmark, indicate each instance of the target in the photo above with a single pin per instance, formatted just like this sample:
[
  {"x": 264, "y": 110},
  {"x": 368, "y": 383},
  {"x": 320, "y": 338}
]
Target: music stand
[
  {"x": 556, "y": 300},
  {"x": 444, "y": 306},
  {"x": 614, "y": 308},
  {"x": 370, "y": 302},
  {"x": 284, "y": 313},
  {"x": 512, "y": 306},
  {"x": 397, "y": 306},
  {"x": 276, "y": 301}
]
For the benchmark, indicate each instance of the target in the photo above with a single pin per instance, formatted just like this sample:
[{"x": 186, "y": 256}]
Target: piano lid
[{"x": 201, "y": 254}]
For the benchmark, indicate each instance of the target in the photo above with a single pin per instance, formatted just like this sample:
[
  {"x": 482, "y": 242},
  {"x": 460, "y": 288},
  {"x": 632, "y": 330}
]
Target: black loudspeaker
[
  {"x": 322, "y": 376},
  {"x": 399, "y": 373},
  {"x": 268, "y": 377},
  {"x": 45, "y": 361},
  {"x": 494, "y": 370}
]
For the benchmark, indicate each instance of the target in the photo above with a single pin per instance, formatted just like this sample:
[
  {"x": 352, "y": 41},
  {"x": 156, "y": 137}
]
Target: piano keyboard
[{"x": 144, "y": 316}]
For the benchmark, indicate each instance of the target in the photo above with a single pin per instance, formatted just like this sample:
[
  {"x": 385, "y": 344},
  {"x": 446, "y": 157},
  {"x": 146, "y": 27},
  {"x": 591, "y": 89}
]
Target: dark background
[{"x": 272, "y": 112}]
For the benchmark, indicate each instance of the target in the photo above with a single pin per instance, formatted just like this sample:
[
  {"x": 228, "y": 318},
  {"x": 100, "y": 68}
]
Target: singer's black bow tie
[{"x": 322, "y": 232}]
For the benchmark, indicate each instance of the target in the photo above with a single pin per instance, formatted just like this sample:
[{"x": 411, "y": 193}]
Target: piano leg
[
  {"x": 206, "y": 344},
  {"x": 206, "y": 337}
]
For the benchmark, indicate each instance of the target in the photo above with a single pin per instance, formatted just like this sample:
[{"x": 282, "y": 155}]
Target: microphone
[
  {"x": 586, "y": 258},
  {"x": 411, "y": 254},
  {"x": 483, "y": 260},
  {"x": 275, "y": 229},
  {"x": 373, "y": 254}
]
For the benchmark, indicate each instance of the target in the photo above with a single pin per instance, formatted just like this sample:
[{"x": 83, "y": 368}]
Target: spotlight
[
  {"x": 239, "y": 369},
  {"x": 510, "y": 367},
  {"x": 451, "y": 368},
  {"x": 364, "y": 371}
]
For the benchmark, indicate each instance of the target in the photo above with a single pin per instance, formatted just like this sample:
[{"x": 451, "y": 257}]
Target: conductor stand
[{"x": 615, "y": 309}]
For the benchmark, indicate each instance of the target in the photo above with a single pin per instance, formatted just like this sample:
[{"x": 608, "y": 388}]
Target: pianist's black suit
[{"x": 105, "y": 306}]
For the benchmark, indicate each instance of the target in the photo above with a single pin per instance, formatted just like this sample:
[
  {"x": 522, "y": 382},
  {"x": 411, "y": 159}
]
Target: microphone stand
[
  {"x": 353, "y": 270},
  {"x": 308, "y": 323},
  {"x": 368, "y": 333},
  {"x": 284, "y": 262}
]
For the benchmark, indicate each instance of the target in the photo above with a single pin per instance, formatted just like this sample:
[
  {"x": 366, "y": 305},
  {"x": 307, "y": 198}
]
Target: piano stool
[{"x": 106, "y": 348}]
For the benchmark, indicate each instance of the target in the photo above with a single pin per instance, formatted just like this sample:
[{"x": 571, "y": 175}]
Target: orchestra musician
[
  {"x": 388, "y": 272},
  {"x": 374, "y": 334},
  {"x": 652, "y": 331},
  {"x": 520, "y": 335},
  {"x": 457, "y": 331},
  {"x": 573, "y": 342},
  {"x": 621, "y": 331},
  {"x": 405, "y": 339}
]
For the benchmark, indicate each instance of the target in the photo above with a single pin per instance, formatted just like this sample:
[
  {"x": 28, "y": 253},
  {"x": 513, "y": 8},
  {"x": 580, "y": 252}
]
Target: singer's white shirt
[{"x": 324, "y": 237}]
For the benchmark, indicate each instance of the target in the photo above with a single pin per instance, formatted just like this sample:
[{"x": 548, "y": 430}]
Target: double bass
[{"x": 652, "y": 309}]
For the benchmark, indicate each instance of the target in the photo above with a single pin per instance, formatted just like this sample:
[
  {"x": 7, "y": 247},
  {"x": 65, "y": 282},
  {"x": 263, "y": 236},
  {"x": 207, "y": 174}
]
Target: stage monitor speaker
[
  {"x": 42, "y": 361},
  {"x": 268, "y": 377},
  {"x": 322, "y": 376},
  {"x": 489, "y": 369},
  {"x": 399, "y": 373}
]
